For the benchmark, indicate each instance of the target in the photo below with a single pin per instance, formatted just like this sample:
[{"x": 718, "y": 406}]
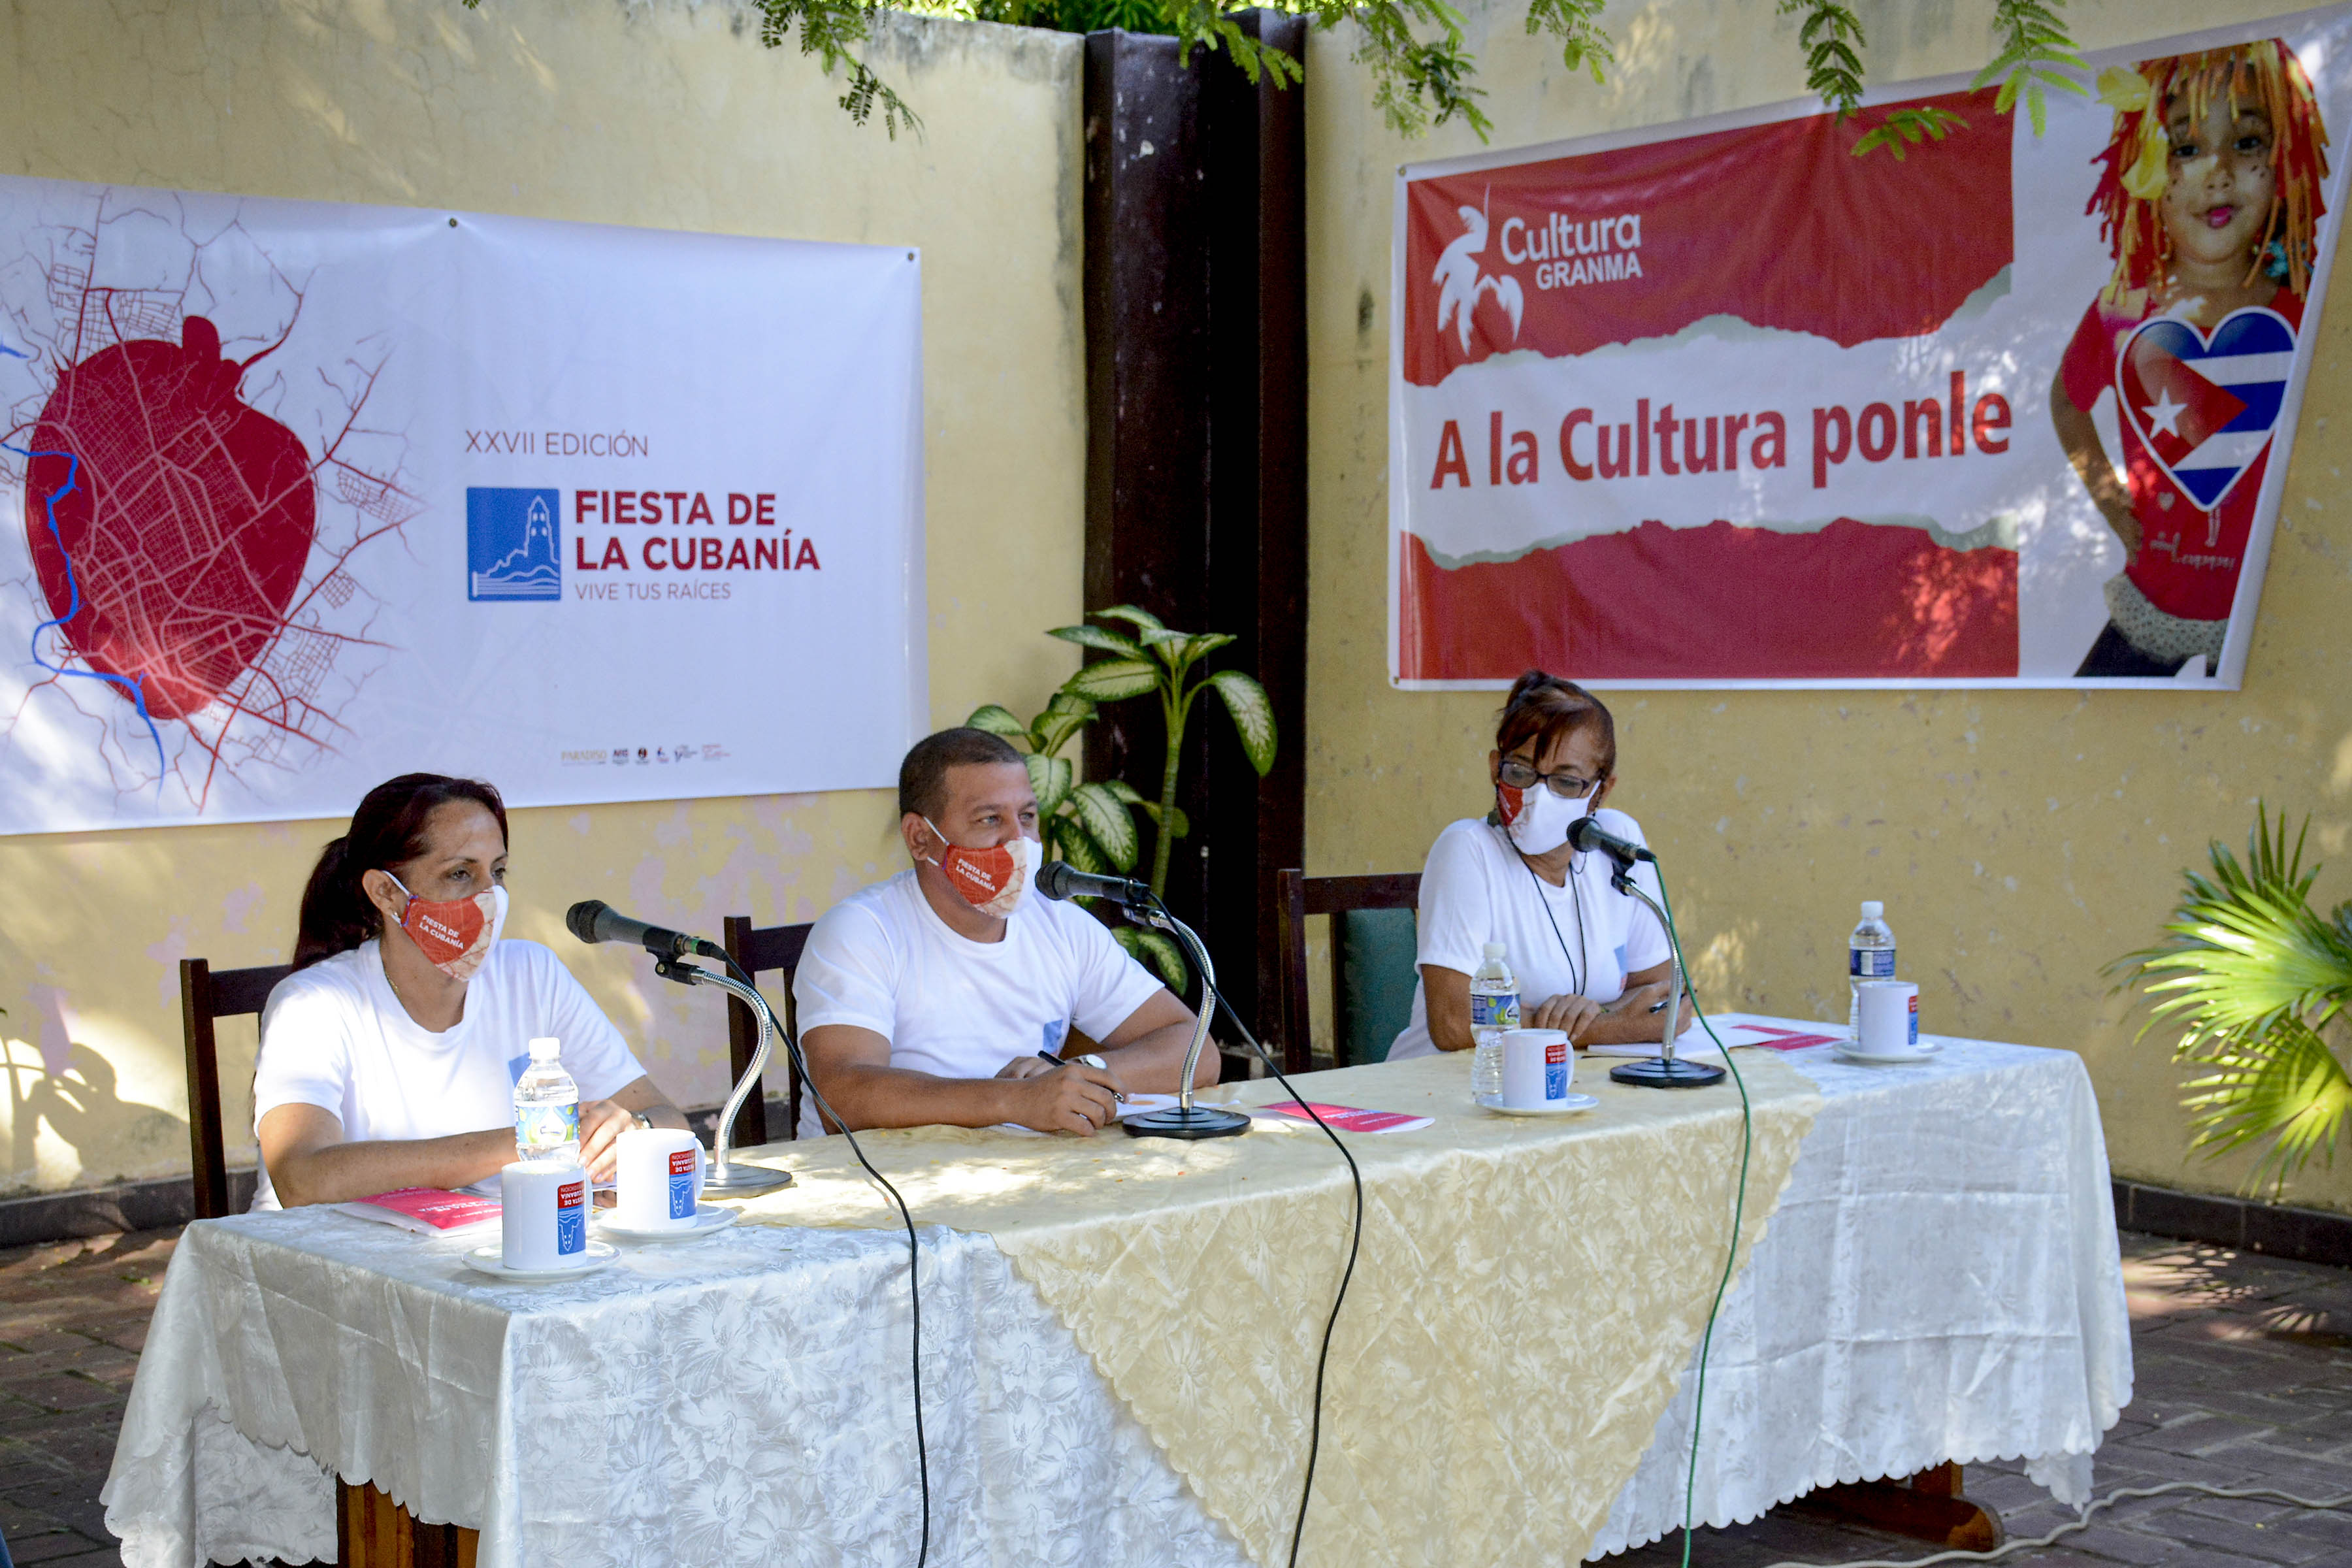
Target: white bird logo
[{"x": 1459, "y": 284}]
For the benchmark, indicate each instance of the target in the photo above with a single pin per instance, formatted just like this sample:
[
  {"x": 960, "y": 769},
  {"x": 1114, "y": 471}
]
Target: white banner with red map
[
  {"x": 1753, "y": 402},
  {"x": 301, "y": 495}
]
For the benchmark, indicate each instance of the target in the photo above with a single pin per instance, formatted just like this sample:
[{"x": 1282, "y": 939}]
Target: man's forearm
[
  {"x": 339, "y": 1173},
  {"x": 868, "y": 1096}
]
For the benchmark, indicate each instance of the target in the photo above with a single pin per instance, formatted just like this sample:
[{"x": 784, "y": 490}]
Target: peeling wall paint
[
  {"x": 2021, "y": 840},
  {"x": 671, "y": 117}
]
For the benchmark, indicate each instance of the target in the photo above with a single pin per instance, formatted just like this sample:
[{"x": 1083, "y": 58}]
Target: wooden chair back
[
  {"x": 756, "y": 949},
  {"x": 1299, "y": 896},
  {"x": 204, "y": 996}
]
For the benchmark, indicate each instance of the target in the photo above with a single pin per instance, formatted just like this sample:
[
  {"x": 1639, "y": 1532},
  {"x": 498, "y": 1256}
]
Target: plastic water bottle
[
  {"x": 547, "y": 1107},
  {"x": 1869, "y": 956},
  {"x": 1493, "y": 1010}
]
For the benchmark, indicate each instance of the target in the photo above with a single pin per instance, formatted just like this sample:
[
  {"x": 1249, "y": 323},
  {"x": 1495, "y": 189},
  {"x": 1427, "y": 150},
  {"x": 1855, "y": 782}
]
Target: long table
[{"x": 1939, "y": 1283}]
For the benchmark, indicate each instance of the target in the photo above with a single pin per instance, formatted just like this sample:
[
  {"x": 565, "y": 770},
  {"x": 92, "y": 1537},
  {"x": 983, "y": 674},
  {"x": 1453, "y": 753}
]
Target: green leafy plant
[
  {"x": 1152, "y": 660},
  {"x": 1420, "y": 81},
  {"x": 2255, "y": 978},
  {"x": 2035, "y": 53},
  {"x": 1091, "y": 824}
]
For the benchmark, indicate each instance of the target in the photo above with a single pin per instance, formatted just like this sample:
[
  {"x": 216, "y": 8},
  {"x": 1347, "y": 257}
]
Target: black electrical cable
[
  {"x": 1355, "y": 1244},
  {"x": 914, "y": 1262}
]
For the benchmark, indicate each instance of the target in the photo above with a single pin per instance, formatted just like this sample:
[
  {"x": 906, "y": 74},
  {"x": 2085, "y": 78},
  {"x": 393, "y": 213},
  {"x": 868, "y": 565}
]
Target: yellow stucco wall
[
  {"x": 2020, "y": 839},
  {"x": 668, "y": 116}
]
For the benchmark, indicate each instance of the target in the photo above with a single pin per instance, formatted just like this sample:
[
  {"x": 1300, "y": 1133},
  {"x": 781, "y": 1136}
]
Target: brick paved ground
[{"x": 2244, "y": 1369}]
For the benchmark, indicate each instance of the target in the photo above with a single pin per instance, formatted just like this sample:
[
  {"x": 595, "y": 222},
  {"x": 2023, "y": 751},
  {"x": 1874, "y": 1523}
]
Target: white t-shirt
[
  {"x": 883, "y": 960},
  {"x": 1582, "y": 939},
  {"x": 335, "y": 1036}
]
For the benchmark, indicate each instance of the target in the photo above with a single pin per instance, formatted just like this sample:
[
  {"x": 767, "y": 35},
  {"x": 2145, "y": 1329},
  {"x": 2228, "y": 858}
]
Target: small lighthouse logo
[
  {"x": 1460, "y": 284},
  {"x": 511, "y": 545}
]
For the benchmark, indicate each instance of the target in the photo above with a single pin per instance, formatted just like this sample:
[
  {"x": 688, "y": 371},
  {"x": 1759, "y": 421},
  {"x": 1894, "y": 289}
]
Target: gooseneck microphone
[
  {"x": 1060, "y": 880},
  {"x": 1585, "y": 834},
  {"x": 593, "y": 920}
]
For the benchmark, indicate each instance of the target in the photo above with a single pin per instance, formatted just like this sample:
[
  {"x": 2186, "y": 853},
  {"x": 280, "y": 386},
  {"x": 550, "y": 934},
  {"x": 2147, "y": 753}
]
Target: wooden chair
[
  {"x": 755, "y": 949},
  {"x": 204, "y": 996},
  {"x": 1369, "y": 914}
]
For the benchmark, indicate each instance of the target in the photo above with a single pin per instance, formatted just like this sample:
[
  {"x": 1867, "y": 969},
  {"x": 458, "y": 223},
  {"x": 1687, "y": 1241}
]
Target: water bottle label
[
  {"x": 681, "y": 1185},
  {"x": 1495, "y": 1012},
  {"x": 547, "y": 1126},
  {"x": 571, "y": 1217},
  {"x": 1871, "y": 962}
]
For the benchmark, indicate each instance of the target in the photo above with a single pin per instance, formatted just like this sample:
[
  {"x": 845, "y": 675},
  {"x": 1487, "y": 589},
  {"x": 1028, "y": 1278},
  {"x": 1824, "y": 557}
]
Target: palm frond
[
  {"x": 2245, "y": 949},
  {"x": 2250, "y": 975},
  {"x": 2287, "y": 1087}
]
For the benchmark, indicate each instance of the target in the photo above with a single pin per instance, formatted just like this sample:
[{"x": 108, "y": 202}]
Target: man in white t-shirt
[{"x": 939, "y": 995}]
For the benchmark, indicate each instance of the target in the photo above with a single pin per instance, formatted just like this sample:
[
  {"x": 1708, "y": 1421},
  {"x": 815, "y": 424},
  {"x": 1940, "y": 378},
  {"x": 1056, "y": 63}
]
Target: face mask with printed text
[
  {"x": 991, "y": 881},
  {"x": 453, "y": 934}
]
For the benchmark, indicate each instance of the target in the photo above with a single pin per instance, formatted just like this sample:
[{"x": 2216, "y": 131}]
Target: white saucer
[
  {"x": 601, "y": 1255},
  {"x": 1847, "y": 1052},
  {"x": 707, "y": 1217},
  {"x": 1574, "y": 1102}
]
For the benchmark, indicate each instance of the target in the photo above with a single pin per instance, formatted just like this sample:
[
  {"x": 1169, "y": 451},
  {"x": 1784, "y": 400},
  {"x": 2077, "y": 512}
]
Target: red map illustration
[
  {"x": 197, "y": 477},
  {"x": 190, "y": 525}
]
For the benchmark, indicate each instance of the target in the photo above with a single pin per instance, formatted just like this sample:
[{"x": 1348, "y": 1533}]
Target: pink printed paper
[
  {"x": 1785, "y": 1039},
  {"x": 426, "y": 1210},
  {"x": 1348, "y": 1118}
]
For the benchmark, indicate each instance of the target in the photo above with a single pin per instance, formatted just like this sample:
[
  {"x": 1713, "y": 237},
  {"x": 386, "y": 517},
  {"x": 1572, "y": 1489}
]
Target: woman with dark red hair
[
  {"x": 389, "y": 1057},
  {"x": 1589, "y": 959}
]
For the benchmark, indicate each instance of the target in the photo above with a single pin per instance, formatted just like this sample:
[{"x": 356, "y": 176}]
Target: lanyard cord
[{"x": 1576, "y": 974}]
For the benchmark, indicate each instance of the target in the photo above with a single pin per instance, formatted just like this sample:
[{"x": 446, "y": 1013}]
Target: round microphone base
[
  {"x": 1176, "y": 1121},
  {"x": 743, "y": 1181},
  {"x": 1660, "y": 1073}
]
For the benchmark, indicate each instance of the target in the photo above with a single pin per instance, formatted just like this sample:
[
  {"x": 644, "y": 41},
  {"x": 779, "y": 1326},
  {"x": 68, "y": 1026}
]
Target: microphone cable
[
  {"x": 1355, "y": 1244},
  {"x": 914, "y": 1256},
  {"x": 1738, "y": 1204}
]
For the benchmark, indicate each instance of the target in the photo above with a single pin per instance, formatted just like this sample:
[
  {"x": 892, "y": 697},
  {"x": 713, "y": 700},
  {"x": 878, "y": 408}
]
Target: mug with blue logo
[{"x": 543, "y": 1217}]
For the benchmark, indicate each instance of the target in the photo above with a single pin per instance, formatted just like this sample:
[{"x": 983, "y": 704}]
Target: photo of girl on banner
[{"x": 2210, "y": 203}]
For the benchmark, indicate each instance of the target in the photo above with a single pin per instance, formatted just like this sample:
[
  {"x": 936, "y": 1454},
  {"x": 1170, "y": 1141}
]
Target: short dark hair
[
  {"x": 387, "y": 830},
  {"x": 923, "y": 776},
  {"x": 1546, "y": 709}
]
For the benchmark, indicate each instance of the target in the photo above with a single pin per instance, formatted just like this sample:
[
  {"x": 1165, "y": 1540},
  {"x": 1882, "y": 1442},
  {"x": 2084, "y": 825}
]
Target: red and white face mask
[
  {"x": 453, "y": 934},
  {"x": 1536, "y": 819},
  {"x": 991, "y": 881}
]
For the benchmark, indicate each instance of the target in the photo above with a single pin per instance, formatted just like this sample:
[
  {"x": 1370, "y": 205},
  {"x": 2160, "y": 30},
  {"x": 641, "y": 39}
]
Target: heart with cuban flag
[{"x": 2206, "y": 405}]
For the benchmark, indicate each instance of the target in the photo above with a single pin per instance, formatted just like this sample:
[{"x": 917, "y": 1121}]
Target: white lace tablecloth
[{"x": 1940, "y": 1282}]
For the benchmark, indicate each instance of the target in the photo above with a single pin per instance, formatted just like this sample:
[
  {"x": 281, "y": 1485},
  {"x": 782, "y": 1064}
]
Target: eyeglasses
[{"x": 1563, "y": 783}]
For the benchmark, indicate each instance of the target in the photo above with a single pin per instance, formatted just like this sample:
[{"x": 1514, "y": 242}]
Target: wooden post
[
  {"x": 1196, "y": 445},
  {"x": 1926, "y": 1506},
  {"x": 374, "y": 1531}
]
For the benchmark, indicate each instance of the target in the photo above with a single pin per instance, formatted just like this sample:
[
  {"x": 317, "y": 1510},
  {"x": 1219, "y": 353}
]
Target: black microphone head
[
  {"x": 580, "y": 918},
  {"x": 1580, "y": 834},
  {"x": 1052, "y": 878}
]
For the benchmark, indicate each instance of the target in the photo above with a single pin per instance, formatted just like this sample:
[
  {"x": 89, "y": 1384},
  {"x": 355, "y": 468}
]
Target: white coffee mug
[
  {"x": 543, "y": 1223},
  {"x": 1538, "y": 1066},
  {"x": 657, "y": 1178},
  {"x": 1890, "y": 1018}
]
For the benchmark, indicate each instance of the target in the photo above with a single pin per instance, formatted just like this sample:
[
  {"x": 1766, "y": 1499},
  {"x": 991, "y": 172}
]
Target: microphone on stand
[
  {"x": 1060, "y": 880},
  {"x": 1586, "y": 834},
  {"x": 593, "y": 920}
]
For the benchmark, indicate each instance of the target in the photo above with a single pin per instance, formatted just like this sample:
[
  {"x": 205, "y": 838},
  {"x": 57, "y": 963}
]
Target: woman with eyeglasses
[{"x": 1589, "y": 960}]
